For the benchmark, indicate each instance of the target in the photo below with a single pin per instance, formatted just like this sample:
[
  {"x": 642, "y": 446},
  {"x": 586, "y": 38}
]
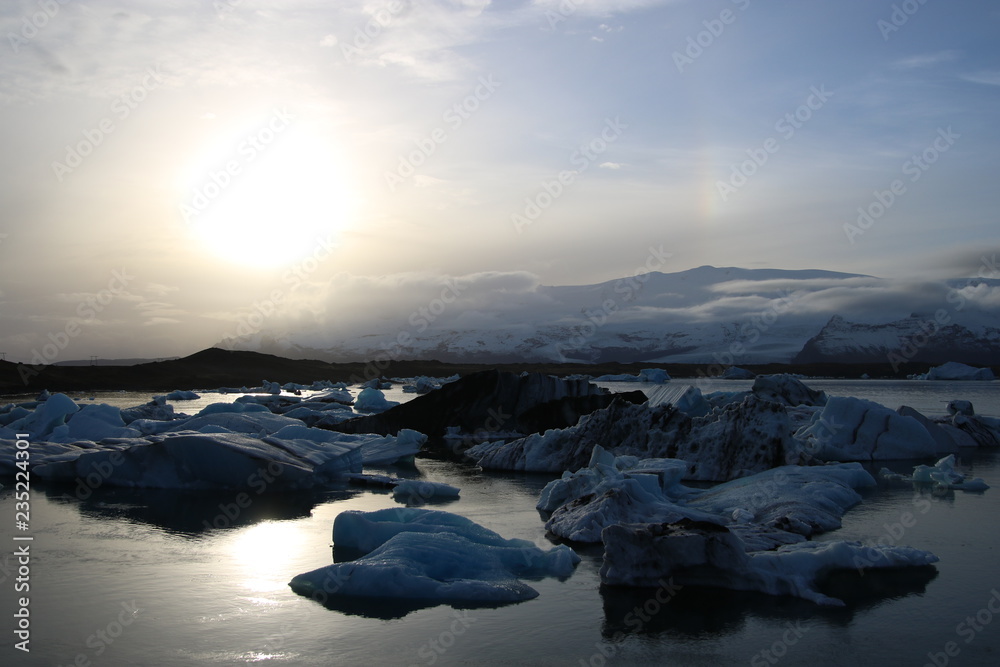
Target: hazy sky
[{"x": 172, "y": 167}]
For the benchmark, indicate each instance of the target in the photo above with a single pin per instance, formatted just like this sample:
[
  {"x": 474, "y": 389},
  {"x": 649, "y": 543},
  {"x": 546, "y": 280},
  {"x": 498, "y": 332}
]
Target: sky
[{"x": 175, "y": 168}]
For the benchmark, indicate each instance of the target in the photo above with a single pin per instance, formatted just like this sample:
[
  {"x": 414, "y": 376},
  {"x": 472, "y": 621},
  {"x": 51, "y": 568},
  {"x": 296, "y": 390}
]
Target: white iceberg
[
  {"x": 942, "y": 475},
  {"x": 372, "y": 400},
  {"x": 650, "y": 375},
  {"x": 778, "y": 506},
  {"x": 855, "y": 429},
  {"x": 430, "y": 556},
  {"x": 956, "y": 371},
  {"x": 182, "y": 395}
]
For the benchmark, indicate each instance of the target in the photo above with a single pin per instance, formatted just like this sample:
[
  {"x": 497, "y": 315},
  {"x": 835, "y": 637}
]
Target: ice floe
[
  {"x": 957, "y": 371},
  {"x": 705, "y": 554},
  {"x": 732, "y": 441},
  {"x": 942, "y": 475},
  {"x": 432, "y": 556},
  {"x": 372, "y": 400},
  {"x": 223, "y": 446}
]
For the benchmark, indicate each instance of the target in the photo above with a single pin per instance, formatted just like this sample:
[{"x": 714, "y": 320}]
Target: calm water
[{"x": 219, "y": 596}]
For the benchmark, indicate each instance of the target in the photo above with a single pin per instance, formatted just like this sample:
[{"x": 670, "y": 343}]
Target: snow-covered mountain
[
  {"x": 926, "y": 338},
  {"x": 702, "y": 315}
]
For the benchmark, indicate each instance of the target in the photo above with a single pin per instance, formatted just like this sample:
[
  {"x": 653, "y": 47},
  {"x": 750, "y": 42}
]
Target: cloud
[
  {"x": 926, "y": 60},
  {"x": 985, "y": 77}
]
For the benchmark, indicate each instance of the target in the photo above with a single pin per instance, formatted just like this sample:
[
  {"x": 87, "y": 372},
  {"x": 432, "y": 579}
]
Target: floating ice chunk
[
  {"x": 271, "y": 387},
  {"x": 942, "y": 475},
  {"x": 46, "y": 417},
  {"x": 961, "y": 408},
  {"x": 786, "y": 390},
  {"x": 605, "y": 472},
  {"x": 182, "y": 395},
  {"x": 854, "y": 429},
  {"x": 148, "y": 411},
  {"x": 422, "y": 385},
  {"x": 369, "y": 479},
  {"x": 373, "y": 449},
  {"x": 651, "y": 375},
  {"x": 432, "y": 568},
  {"x": 956, "y": 371},
  {"x": 334, "y": 395},
  {"x": 251, "y": 422},
  {"x": 200, "y": 461},
  {"x": 418, "y": 492},
  {"x": 431, "y": 555},
  {"x": 737, "y": 373},
  {"x": 739, "y": 439},
  {"x": 702, "y": 554},
  {"x": 372, "y": 400},
  {"x": 94, "y": 422},
  {"x": 791, "y": 499}
]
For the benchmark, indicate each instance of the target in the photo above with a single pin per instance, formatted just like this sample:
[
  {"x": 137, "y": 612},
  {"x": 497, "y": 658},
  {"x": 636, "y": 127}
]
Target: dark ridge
[
  {"x": 216, "y": 367},
  {"x": 491, "y": 402}
]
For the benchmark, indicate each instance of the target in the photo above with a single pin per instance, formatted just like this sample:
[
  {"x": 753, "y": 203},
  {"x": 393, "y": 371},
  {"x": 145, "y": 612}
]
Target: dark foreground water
[{"x": 160, "y": 578}]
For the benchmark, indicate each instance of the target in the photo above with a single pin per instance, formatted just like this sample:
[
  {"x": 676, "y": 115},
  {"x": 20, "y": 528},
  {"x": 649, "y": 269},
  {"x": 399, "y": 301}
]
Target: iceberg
[
  {"x": 855, "y": 429},
  {"x": 737, "y": 373},
  {"x": 956, "y": 371},
  {"x": 372, "y": 400},
  {"x": 417, "y": 492},
  {"x": 735, "y": 440},
  {"x": 220, "y": 447},
  {"x": 44, "y": 419},
  {"x": 202, "y": 461},
  {"x": 431, "y": 556},
  {"x": 942, "y": 475},
  {"x": 778, "y": 506},
  {"x": 786, "y": 390},
  {"x": 705, "y": 554},
  {"x": 650, "y": 375},
  {"x": 182, "y": 395}
]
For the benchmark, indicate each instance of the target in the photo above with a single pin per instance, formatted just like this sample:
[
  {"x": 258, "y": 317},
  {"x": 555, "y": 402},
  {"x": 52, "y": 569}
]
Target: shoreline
[{"x": 214, "y": 367}]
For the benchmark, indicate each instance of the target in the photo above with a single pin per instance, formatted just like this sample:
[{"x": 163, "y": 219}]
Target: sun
[{"x": 268, "y": 196}]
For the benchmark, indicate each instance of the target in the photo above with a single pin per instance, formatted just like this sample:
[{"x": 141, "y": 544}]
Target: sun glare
[{"x": 269, "y": 198}]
